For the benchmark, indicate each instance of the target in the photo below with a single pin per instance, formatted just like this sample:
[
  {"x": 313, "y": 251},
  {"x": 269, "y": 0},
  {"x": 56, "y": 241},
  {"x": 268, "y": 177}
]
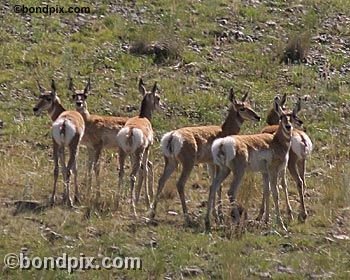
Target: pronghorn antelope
[
  {"x": 191, "y": 145},
  {"x": 301, "y": 148},
  {"x": 265, "y": 153},
  {"x": 135, "y": 139},
  {"x": 100, "y": 132},
  {"x": 67, "y": 131}
]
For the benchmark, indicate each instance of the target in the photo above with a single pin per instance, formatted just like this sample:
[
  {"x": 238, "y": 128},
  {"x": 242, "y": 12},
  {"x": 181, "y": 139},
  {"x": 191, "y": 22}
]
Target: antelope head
[
  {"x": 243, "y": 108},
  {"x": 285, "y": 117},
  {"x": 80, "y": 96},
  {"x": 272, "y": 116},
  {"x": 151, "y": 99},
  {"x": 47, "y": 99}
]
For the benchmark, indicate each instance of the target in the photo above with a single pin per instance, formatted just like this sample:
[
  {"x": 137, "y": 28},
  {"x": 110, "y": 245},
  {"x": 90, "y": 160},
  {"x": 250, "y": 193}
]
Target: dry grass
[{"x": 196, "y": 91}]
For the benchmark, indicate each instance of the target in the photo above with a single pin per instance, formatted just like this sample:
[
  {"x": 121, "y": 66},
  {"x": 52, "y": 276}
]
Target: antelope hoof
[
  {"x": 151, "y": 213},
  {"x": 207, "y": 226},
  {"x": 77, "y": 200},
  {"x": 69, "y": 202},
  {"x": 290, "y": 216},
  {"x": 133, "y": 210},
  {"x": 235, "y": 215},
  {"x": 302, "y": 217},
  {"x": 53, "y": 200},
  {"x": 281, "y": 225},
  {"x": 188, "y": 222}
]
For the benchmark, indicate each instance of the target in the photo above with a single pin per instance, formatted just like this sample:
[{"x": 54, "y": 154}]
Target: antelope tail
[{"x": 171, "y": 144}]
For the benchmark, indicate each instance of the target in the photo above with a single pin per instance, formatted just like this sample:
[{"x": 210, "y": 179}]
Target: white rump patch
[
  {"x": 171, "y": 143},
  {"x": 63, "y": 133},
  {"x": 223, "y": 150},
  {"x": 129, "y": 141},
  {"x": 301, "y": 145}
]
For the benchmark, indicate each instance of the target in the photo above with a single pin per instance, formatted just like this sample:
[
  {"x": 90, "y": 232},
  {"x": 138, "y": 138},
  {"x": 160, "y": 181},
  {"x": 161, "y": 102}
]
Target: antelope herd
[{"x": 282, "y": 144}]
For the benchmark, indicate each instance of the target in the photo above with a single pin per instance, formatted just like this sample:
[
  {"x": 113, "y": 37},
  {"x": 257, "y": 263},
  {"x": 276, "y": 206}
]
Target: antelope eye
[
  {"x": 241, "y": 109},
  {"x": 48, "y": 98}
]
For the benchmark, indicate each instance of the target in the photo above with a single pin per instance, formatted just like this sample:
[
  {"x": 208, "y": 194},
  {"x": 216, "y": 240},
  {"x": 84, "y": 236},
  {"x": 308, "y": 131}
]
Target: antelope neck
[
  {"x": 283, "y": 137},
  {"x": 145, "y": 111},
  {"x": 232, "y": 123},
  {"x": 84, "y": 112},
  {"x": 55, "y": 110}
]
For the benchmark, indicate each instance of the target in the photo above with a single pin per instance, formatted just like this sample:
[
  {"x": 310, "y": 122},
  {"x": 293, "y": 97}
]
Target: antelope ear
[
  {"x": 87, "y": 87},
  {"x": 154, "y": 89},
  {"x": 231, "y": 96},
  {"x": 53, "y": 87},
  {"x": 297, "y": 106},
  {"x": 244, "y": 98},
  {"x": 70, "y": 84},
  {"x": 277, "y": 107},
  {"x": 283, "y": 100},
  {"x": 142, "y": 88},
  {"x": 41, "y": 89}
]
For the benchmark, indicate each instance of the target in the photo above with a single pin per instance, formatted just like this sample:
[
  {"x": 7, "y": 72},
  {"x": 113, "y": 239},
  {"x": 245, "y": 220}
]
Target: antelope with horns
[
  {"x": 67, "y": 131},
  {"x": 100, "y": 132},
  {"x": 135, "y": 139},
  {"x": 265, "y": 153},
  {"x": 191, "y": 145},
  {"x": 301, "y": 148}
]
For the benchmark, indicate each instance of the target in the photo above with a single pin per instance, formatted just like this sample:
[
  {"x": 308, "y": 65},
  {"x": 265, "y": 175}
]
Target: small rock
[
  {"x": 191, "y": 271},
  {"x": 271, "y": 23},
  {"x": 151, "y": 244},
  {"x": 285, "y": 269},
  {"x": 322, "y": 276},
  {"x": 262, "y": 275},
  {"x": 329, "y": 239},
  {"x": 222, "y": 21},
  {"x": 341, "y": 236}
]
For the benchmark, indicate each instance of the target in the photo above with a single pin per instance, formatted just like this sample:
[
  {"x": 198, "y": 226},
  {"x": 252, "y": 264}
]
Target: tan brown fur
[
  {"x": 265, "y": 153},
  {"x": 296, "y": 164},
  {"x": 100, "y": 132},
  {"x": 63, "y": 135},
  {"x": 195, "y": 147},
  {"x": 135, "y": 139}
]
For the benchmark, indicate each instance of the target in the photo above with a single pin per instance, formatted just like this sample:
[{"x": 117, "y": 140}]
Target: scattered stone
[
  {"x": 271, "y": 23},
  {"x": 341, "y": 236},
  {"x": 172, "y": 213},
  {"x": 191, "y": 271},
  {"x": 325, "y": 275},
  {"x": 49, "y": 235},
  {"x": 262, "y": 275},
  {"x": 222, "y": 21},
  {"x": 151, "y": 244},
  {"x": 287, "y": 247},
  {"x": 285, "y": 269}
]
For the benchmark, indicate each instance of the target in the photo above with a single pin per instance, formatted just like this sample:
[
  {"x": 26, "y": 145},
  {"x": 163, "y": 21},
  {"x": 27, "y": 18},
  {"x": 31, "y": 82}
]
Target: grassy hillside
[{"x": 202, "y": 49}]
